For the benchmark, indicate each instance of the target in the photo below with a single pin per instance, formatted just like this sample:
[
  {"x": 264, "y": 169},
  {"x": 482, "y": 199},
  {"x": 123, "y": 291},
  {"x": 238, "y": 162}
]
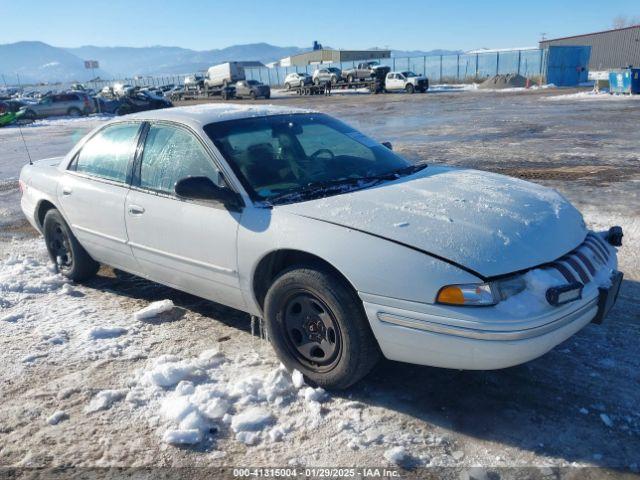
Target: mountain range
[{"x": 33, "y": 61}]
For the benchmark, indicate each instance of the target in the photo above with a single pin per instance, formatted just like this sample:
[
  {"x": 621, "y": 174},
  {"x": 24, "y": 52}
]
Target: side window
[
  {"x": 107, "y": 154},
  {"x": 171, "y": 154}
]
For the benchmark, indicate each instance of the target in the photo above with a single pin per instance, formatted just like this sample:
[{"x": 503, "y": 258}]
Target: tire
[
  {"x": 287, "y": 86},
  {"x": 316, "y": 82},
  {"x": 74, "y": 112},
  {"x": 65, "y": 251},
  {"x": 334, "y": 79},
  {"x": 410, "y": 88},
  {"x": 349, "y": 78},
  {"x": 314, "y": 304},
  {"x": 30, "y": 114},
  {"x": 252, "y": 95}
]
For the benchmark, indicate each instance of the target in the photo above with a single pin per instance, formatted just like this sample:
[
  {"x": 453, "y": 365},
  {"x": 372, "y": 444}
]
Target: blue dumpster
[{"x": 625, "y": 81}]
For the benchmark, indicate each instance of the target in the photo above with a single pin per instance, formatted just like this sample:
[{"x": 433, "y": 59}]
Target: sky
[{"x": 403, "y": 25}]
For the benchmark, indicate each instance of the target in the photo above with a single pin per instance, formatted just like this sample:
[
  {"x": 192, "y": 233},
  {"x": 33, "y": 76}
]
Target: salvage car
[
  {"x": 138, "y": 101},
  {"x": 363, "y": 71},
  {"x": 73, "y": 104},
  {"x": 252, "y": 89},
  {"x": 345, "y": 249},
  {"x": 328, "y": 74},
  {"x": 297, "y": 80}
]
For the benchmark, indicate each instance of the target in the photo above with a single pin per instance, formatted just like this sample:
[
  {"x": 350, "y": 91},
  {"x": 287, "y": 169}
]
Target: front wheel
[
  {"x": 65, "y": 251},
  {"x": 410, "y": 88},
  {"x": 317, "y": 325}
]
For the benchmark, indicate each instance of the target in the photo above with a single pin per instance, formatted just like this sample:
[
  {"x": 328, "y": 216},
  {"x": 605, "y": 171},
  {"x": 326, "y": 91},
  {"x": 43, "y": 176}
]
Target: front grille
[{"x": 583, "y": 263}]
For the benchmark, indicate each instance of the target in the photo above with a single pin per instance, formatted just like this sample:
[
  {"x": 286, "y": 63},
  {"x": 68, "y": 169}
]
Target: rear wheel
[
  {"x": 65, "y": 251},
  {"x": 287, "y": 86},
  {"x": 410, "y": 88},
  {"x": 74, "y": 112},
  {"x": 317, "y": 325},
  {"x": 349, "y": 78}
]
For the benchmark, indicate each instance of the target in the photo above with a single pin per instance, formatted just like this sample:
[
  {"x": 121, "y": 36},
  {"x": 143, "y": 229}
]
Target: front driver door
[{"x": 190, "y": 245}]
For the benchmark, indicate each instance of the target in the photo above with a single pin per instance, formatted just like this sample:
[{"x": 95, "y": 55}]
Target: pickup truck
[
  {"x": 406, "y": 81},
  {"x": 363, "y": 71}
]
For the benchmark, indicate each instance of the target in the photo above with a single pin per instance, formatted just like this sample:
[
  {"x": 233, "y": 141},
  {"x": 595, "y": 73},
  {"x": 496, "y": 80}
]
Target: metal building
[
  {"x": 609, "y": 49},
  {"x": 326, "y": 55}
]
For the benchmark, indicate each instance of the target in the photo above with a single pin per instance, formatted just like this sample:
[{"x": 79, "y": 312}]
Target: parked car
[
  {"x": 121, "y": 89},
  {"x": 194, "y": 82},
  {"x": 326, "y": 74},
  {"x": 141, "y": 101},
  {"x": 252, "y": 89},
  {"x": 363, "y": 71},
  {"x": 294, "y": 80},
  {"x": 73, "y": 104},
  {"x": 224, "y": 74},
  {"x": 320, "y": 230},
  {"x": 406, "y": 81}
]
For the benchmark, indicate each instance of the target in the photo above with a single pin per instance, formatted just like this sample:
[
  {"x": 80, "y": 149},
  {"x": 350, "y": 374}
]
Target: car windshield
[
  {"x": 293, "y": 157},
  {"x": 253, "y": 82},
  {"x": 409, "y": 74}
]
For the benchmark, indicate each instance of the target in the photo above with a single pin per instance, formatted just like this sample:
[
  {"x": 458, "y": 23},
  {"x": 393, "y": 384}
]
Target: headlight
[{"x": 476, "y": 294}]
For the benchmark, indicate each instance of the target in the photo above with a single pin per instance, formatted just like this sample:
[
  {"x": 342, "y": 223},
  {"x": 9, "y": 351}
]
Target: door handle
[
  {"x": 136, "y": 210},
  {"x": 66, "y": 191}
]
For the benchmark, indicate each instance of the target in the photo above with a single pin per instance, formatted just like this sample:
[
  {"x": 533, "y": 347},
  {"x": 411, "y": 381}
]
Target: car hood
[{"x": 488, "y": 223}]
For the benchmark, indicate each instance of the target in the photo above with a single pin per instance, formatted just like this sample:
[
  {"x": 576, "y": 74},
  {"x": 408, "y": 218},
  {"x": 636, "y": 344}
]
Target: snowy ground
[{"x": 88, "y": 380}]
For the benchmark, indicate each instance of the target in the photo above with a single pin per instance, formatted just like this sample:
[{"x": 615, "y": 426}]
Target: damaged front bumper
[{"x": 487, "y": 338}]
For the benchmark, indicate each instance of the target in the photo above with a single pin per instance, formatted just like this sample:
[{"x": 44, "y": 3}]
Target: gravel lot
[{"x": 579, "y": 405}]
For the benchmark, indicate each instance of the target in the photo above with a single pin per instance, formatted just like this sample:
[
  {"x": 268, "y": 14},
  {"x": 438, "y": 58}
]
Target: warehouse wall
[{"x": 610, "y": 49}]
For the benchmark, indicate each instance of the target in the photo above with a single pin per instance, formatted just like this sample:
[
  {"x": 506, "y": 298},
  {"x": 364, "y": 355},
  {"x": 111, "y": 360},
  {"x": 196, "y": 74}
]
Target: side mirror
[
  {"x": 388, "y": 145},
  {"x": 203, "y": 188}
]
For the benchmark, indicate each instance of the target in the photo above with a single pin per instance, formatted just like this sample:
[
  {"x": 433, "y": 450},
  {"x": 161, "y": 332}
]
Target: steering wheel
[{"x": 319, "y": 152}]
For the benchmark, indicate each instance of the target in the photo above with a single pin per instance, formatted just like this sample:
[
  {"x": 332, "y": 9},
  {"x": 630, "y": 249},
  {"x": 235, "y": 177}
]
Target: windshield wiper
[{"x": 329, "y": 186}]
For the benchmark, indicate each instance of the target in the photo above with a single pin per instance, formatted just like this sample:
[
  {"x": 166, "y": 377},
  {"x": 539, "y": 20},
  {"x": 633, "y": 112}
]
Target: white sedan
[{"x": 347, "y": 250}]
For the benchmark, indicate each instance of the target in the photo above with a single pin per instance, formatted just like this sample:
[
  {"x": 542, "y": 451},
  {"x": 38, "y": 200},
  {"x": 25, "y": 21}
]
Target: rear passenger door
[
  {"x": 92, "y": 193},
  {"x": 187, "y": 244}
]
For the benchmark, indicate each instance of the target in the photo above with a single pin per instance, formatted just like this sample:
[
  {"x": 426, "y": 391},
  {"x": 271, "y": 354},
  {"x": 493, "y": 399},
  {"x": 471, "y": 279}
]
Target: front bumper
[
  {"x": 419, "y": 338},
  {"x": 483, "y": 338}
]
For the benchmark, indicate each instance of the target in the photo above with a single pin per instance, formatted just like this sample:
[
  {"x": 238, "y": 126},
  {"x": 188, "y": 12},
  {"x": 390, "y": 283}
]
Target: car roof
[{"x": 200, "y": 115}]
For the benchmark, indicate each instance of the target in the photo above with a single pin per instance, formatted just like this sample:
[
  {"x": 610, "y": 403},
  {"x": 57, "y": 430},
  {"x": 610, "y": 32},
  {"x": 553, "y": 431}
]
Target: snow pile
[
  {"x": 153, "y": 309},
  {"x": 396, "y": 455},
  {"x": 57, "y": 417},
  {"x": 104, "y": 399},
  {"x": 196, "y": 396},
  {"x": 27, "y": 275},
  {"x": 97, "y": 333}
]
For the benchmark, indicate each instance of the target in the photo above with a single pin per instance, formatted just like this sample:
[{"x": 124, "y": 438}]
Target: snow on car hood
[{"x": 486, "y": 222}]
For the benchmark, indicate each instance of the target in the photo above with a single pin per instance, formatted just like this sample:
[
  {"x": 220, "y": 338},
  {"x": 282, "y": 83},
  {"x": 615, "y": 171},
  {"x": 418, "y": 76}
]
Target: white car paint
[{"x": 397, "y": 244}]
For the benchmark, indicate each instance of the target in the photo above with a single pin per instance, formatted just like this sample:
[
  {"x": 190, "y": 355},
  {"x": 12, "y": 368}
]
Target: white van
[{"x": 224, "y": 74}]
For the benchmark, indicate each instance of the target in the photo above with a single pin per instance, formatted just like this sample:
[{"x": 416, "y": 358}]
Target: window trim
[{"x": 72, "y": 165}]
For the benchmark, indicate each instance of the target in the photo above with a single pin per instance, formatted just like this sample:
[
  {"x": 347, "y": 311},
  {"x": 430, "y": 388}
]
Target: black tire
[
  {"x": 30, "y": 114},
  {"x": 410, "y": 88},
  {"x": 349, "y": 78},
  {"x": 334, "y": 79},
  {"x": 314, "y": 304},
  {"x": 287, "y": 86},
  {"x": 65, "y": 251},
  {"x": 252, "y": 94},
  {"x": 316, "y": 81},
  {"x": 74, "y": 112}
]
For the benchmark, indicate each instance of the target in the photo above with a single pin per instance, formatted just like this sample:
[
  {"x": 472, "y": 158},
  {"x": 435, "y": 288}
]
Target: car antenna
[{"x": 25, "y": 145}]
